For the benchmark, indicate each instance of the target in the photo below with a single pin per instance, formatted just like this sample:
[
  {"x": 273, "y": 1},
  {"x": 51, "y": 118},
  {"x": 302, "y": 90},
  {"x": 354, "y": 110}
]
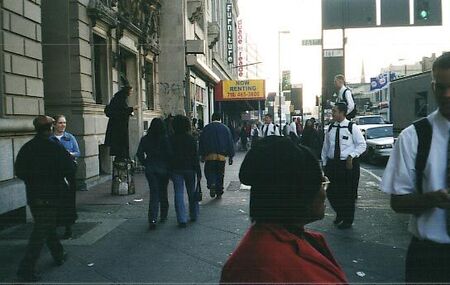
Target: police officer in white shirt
[
  {"x": 344, "y": 94},
  {"x": 269, "y": 128},
  {"x": 428, "y": 257},
  {"x": 343, "y": 145}
]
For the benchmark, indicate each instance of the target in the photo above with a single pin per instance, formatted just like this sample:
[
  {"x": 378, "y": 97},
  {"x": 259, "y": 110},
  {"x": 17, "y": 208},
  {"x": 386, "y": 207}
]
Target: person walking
[
  {"x": 311, "y": 138},
  {"x": 44, "y": 165},
  {"x": 343, "y": 145},
  {"x": 68, "y": 205},
  {"x": 154, "y": 152},
  {"x": 216, "y": 144},
  {"x": 345, "y": 95},
  {"x": 417, "y": 177},
  {"x": 118, "y": 113},
  {"x": 185, "y": 167},
  {"x": 286, "y": 194},
  {"x": 269, "y": 128}
]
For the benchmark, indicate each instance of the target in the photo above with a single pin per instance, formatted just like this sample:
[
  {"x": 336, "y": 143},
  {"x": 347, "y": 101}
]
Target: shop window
[
  {"x": 149, "y": 85},
  {"x": 100, "y": 70}
]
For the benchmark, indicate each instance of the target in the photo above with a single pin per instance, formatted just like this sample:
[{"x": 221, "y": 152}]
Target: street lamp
[{"x": 279, "y": 73}]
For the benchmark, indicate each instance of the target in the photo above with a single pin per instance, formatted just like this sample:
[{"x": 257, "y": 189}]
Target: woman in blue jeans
[
  {"x": 185, "y": 167},
  {"x": 154, "y": 153}
]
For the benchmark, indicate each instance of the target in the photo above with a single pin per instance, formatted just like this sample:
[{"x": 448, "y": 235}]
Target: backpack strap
[
  {"x": 350, "y": 127},
  {"x": 343, "y": 96},
  {"x": 424, "y": 134},
  {"x": 330, "y": 127}
]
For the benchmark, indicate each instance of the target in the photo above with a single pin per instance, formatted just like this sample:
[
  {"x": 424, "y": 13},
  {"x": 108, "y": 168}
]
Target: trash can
[{"x": 123, "y": 177}]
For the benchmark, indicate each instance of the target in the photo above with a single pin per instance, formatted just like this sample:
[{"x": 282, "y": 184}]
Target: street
[{"x": 112, "y": 243}]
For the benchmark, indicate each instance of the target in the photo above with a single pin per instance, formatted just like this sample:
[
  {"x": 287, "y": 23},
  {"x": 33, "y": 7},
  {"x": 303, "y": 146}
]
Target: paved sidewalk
[{"x": 112, "y": 243}]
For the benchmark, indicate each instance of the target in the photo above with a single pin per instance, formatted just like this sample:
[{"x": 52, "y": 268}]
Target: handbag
[{"x": 198, "y": 192}]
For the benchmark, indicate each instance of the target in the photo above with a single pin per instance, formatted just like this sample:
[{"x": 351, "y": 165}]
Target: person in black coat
[
  {"x": 311, "y": 138},
  {"x": 118, "y": 113},
  {"x": 44, "y": 165},
  {"x": 185, "y": 168},
  {"x": 154, "y": 152}
]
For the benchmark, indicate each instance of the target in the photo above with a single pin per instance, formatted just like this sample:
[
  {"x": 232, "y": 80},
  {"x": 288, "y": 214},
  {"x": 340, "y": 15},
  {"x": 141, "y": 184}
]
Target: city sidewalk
[{"x": 112, "y": 243}]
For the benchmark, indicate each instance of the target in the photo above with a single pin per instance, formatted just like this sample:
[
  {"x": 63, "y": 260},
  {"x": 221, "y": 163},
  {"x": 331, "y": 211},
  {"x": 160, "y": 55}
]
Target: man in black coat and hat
[
  {"x": 118, "y": 113},
  {"x": 44, "y": 165}
]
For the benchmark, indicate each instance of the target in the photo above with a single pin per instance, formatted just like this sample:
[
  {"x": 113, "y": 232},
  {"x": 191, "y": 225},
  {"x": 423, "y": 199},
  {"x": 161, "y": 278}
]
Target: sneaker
[
  {"x": 152, "y": 225},
  {"x": 344, "y": 226},
  {"x": 182, "y": 225},
  {"x": 28, "y": 276},
  {"x": 60, "y": 261},
  {"x": 212, "y": 192},
  {"x": 337, "y": 221}
]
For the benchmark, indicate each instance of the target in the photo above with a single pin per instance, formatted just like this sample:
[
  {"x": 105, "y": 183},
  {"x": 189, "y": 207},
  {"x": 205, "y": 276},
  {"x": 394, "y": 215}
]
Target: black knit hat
[{"x": 285, "y": 178}]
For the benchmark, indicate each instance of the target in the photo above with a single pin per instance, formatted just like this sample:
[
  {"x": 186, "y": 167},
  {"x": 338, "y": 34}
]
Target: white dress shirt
[
  {"x": 293, "y": 128},
  {"x": 348, "y": 96},
  {"x": 352, "y": 144},
  {"x": 271, "y": 131},
  {"x": 400, "y": 176}
]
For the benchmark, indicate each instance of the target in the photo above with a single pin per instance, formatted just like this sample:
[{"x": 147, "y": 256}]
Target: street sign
[
  {"x": 333, "y": 52},
  {"x": 312, "y": 42}
]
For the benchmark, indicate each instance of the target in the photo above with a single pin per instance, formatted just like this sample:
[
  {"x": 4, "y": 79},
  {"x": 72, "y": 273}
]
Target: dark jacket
[
  {"x": 185, "y": 154},
  {"x": 311, "y": 139},
  {"x": 118, "y": 113},
  {"x": 216, "y": 138},
  {"x": 43, "y": 165},
  {"x": 155, "y": 154}
]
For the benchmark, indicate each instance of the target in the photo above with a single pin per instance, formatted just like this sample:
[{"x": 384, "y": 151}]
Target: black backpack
[
  {"x": 350, "y": 127},
  {"x": 352, "y": 114},
  {"x": 424, "y": 134}
]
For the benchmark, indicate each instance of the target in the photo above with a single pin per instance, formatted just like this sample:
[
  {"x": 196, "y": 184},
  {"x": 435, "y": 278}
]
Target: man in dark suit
[{"x": 44, "y": 166}]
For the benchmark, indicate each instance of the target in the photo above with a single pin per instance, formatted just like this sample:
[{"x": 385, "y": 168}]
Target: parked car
[
  {"x": 379, "y": 140},
  {"x": 369, "y": 120}
]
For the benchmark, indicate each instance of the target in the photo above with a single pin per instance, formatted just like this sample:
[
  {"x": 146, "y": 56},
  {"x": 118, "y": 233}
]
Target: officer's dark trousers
[
  {"x": 343, "y": 189},
  {"x": 44, "y": 232},
  {"x": 427, "y": 262}
]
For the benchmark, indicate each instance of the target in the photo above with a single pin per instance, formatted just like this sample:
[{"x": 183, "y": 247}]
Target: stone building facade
[
  {"x": 21, "y": 92},
  {"x": 194, "y": 54},
  {"x": 68, "y": 57}
]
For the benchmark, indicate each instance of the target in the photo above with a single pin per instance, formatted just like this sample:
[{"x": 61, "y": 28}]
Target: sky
[{"x": 376, "y": 48}]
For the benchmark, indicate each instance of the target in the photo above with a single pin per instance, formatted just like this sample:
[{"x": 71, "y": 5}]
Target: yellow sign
[{"x": 243, "y": 90}]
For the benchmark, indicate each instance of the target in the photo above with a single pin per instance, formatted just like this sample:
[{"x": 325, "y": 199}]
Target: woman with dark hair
[
  {"x": 311, "y": 138},
  {"x": 154, "y": 153},
  {"x": 68, "y": 214},
  {"x": 185, "y": 166},
  {"x": 287, "y": 193}
]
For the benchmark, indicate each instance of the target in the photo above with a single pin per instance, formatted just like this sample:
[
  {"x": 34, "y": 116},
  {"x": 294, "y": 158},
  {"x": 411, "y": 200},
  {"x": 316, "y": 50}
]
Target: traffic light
[
  {"x": 427, "y": 12},
  {"x": 394, "y": 13},
  {"x": 423, "y": 10}
]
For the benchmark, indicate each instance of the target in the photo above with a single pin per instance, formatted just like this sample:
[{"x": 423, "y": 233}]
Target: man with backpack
[
  {"x": 343, "y": 145},
  {"x": 418, "y": 178},
  {"x": 269, "y": 128},
  {"x": 345, "y": 95}
]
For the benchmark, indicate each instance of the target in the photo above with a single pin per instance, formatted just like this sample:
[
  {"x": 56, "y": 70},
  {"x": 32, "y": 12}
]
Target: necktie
[
  {"x": 337, "y": 146},
  {"x": 267, "y": 129}
]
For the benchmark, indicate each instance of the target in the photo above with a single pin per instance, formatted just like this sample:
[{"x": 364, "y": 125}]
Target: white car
[
  {"x": 379, "y": 140},
  {"x": 369, "y": 120}
]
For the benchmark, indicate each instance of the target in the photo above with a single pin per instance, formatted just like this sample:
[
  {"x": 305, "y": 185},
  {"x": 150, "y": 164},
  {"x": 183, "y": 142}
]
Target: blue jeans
[
  {"x": 182, "y": 178},
  {"x": 158, "y": 195}
]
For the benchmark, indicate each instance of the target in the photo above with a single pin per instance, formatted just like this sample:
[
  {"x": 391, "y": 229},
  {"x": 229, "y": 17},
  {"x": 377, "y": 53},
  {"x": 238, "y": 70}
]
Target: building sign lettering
[{"x": 230, "y": 53}]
